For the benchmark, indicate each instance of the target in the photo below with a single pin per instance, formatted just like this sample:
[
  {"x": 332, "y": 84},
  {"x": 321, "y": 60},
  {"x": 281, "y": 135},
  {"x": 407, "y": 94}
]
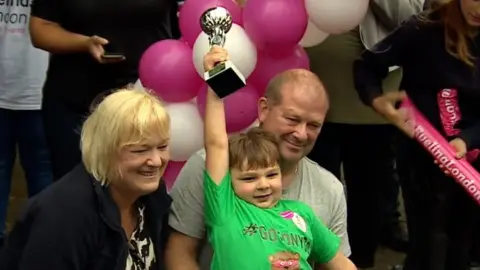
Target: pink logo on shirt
[
  {"x": 296, "y": 219},
  {"x": 450, "y": 115},
  {"x": 287, "y": 214}
]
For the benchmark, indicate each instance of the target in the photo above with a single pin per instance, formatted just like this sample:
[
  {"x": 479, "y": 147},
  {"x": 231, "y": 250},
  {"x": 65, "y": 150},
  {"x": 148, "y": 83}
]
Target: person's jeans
[
  {"x": 22, "y": 129},
  {"x": 62, "y": 128},
  {"x": 367, "y": 156}
]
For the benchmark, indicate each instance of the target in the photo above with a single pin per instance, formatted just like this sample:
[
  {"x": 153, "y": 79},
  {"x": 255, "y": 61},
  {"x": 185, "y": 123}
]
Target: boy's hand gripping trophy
[{"x": 224, "y": 78}]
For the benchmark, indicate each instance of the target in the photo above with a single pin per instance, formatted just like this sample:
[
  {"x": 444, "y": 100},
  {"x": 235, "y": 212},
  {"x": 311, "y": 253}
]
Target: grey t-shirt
[{"x": 313, "y": 185}]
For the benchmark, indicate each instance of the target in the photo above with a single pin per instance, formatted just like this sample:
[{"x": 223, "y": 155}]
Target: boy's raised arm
[{"x": 215, "y": 132}]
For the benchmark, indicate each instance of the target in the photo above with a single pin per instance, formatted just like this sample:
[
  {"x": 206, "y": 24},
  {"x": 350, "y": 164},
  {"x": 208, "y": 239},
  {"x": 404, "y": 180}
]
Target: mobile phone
[{"x": 111, "y": 55}]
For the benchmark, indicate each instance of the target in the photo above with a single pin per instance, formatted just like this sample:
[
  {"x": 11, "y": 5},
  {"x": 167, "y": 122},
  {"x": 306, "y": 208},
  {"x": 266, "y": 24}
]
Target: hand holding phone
[
  {"x": 102, "y": 51},
  {"x": 112, "y": 56}
]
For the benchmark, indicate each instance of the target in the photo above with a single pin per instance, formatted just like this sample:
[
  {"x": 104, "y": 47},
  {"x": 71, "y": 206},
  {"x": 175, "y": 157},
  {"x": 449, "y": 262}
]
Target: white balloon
[
  {"x": 255, "y": 123},
  {"x": 336, "y": 16},
  {"x": 186, "y": 130},
  {"x": 241, "y": 50},
  {"x": 313, "y": 36},
  {"x": 138, "y": 84}
]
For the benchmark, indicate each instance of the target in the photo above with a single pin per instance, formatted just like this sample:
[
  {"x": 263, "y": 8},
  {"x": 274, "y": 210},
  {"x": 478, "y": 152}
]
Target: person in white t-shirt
[{"x": 22, "y": 74}]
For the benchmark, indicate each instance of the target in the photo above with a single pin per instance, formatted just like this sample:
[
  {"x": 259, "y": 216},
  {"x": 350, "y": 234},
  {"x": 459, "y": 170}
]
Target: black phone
[{"x": 112, "y": 55}]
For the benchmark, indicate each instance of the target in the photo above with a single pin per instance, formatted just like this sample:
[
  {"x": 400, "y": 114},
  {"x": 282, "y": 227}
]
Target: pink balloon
[
  {"x": 240, "y": 107},
  {"x": 269, "y": 66},
  {"x": 192, "y": 10},
  {"x": 167, "y": 68},
  {"x": 184, "y": 41},
  {"x": 275, "y": 25},
  {"x": 171, "y": 172}
]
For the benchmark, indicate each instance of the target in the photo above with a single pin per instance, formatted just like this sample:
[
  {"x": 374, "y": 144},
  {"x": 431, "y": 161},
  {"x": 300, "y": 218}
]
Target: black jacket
[
  {"x": 428, "y": 69},
  {"x": 75, "y": 225},
  {"x": 130, "y": 26}
]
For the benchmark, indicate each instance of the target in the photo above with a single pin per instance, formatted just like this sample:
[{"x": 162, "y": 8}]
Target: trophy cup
[{"x": 224, "y": 78}]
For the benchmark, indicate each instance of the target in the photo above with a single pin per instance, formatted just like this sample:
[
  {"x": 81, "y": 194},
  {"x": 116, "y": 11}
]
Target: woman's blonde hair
[
  {"x": 457, "y": 31},
  {"x": 125, "y": 117}
]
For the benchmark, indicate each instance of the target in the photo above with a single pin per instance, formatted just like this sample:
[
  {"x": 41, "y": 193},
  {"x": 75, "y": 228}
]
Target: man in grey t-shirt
[{"x": 294, "y": 108}]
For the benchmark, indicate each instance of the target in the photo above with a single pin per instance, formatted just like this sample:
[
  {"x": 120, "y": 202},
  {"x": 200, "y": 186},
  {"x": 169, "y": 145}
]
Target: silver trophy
[{"x": 224, "y": 78}]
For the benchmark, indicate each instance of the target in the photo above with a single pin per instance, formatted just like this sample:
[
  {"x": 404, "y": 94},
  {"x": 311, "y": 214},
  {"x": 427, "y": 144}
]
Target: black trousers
[
  {"x": 372, "y": 189},
  {"x": 475, "y": 251},
  {"x": 440, "y": 214},
  {"x": 62, "y": 129}
]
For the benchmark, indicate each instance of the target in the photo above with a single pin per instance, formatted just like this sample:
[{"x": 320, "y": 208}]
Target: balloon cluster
[{"x": 267, "y": 38}]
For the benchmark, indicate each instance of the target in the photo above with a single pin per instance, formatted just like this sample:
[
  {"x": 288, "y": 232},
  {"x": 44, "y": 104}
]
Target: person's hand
[
  {"x": 95, "y": 48},
  {"x": 460, "y": 148},
  {"x": 385, "y": 105},
  {"x": 214, "y": 56}
]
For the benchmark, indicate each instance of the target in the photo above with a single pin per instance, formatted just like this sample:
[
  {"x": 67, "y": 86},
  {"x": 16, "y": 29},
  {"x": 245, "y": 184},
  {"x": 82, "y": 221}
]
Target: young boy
[{"x": 248, "y": 224}]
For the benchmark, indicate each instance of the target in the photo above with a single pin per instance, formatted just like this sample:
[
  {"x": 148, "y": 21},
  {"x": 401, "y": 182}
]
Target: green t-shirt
[{"x": 244, "y": 236}]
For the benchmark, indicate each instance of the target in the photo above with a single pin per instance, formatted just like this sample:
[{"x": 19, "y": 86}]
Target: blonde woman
[{"x": 110, "y": 211}]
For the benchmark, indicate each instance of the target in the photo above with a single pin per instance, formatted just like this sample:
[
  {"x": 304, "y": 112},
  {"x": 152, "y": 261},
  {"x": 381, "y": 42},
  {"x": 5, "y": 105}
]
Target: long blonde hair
[{"x": 457, "y": 31}]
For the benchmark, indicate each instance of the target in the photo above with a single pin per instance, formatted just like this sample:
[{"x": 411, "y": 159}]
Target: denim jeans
[{"x": 22, "y": 129}]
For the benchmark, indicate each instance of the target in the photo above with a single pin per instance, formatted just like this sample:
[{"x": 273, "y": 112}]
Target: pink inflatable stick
[{"x": 443, "y": 152}]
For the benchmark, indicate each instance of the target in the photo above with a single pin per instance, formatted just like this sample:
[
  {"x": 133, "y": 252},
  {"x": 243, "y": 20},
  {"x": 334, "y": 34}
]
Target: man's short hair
[
  {"x": 126, "y": 117},
  {"x": 293, "y": 77},
  {"x": 253, "y": 149}
]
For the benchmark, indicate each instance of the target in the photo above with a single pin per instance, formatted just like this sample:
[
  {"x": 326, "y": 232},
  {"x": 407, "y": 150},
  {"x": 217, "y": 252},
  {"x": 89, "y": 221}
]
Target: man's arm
[
  {"x": 186, "y": 216},
  {"x": 338, "y": 222},
  {"x": 181, "y": 252},
  {"x": 47, "y": 33},
  {"x": 326, "y": 246},
  {"x": 392, "y": 13}
]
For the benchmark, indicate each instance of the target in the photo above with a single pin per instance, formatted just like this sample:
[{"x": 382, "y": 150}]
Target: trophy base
[{"x": 224, "y": 79}]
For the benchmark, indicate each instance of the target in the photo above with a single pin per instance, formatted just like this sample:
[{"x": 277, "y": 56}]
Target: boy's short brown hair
[{"x": 253, "y": 149}]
